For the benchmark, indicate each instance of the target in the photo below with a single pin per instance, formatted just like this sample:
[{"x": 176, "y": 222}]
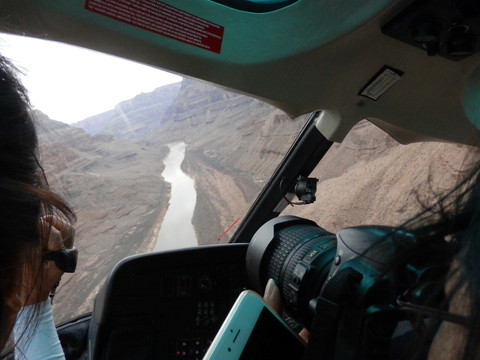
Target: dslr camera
[{"x": 355, "y": 291}]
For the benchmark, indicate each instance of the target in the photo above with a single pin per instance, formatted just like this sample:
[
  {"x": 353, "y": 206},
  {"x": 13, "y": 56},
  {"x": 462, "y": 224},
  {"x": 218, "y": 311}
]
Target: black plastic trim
[
  {"x": 302, "y": 157},
  {"x": 254, "y": 7}
]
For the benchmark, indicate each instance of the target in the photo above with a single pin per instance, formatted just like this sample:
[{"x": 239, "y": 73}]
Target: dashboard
[{"x": 166, "y": 305}]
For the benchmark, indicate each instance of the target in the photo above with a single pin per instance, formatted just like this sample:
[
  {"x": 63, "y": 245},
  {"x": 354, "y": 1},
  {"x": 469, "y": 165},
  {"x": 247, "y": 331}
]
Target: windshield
[
  {"x": 175, "y": 166},
  {"x": 181, "y": 163}
]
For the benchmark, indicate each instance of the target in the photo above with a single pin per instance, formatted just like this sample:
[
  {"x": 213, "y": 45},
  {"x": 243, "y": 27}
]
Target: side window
[{"x": 372, "y": 179}]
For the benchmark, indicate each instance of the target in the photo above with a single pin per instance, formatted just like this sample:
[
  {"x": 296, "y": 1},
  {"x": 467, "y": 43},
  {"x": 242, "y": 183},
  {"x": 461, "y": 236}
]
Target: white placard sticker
[{"x": 381, "y": 82}]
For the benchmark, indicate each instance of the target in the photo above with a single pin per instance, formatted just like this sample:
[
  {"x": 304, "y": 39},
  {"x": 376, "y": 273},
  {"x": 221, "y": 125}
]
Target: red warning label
[{"x": 163, "y": 19}]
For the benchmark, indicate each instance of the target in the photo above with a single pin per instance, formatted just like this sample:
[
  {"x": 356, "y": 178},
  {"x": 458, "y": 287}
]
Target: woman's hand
[
  {"x": 42, "y": 275},
  {"x": 273, "y": 299},
  {"x": 272, "y": 296}
]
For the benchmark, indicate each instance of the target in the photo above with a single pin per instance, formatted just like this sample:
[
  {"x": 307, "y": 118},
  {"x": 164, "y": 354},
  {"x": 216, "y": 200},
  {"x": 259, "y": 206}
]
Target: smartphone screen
[
  {"x": 253, "y": 331},
  {"x": 270, "y": 339}
]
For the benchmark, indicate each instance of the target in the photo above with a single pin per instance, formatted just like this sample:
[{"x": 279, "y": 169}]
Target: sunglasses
[{"x": 65, "y": 259}]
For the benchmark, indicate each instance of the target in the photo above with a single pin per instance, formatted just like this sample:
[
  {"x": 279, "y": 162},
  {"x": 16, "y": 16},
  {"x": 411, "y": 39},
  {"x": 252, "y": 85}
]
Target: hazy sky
[{"x": 70, "y": 83}]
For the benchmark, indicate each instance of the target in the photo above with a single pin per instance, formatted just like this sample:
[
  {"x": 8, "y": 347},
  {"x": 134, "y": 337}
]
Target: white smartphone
[{"x": 252, "y": 330}]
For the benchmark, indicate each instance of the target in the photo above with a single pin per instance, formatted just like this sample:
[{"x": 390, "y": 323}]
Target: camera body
[{"x": 342, "y": 287}]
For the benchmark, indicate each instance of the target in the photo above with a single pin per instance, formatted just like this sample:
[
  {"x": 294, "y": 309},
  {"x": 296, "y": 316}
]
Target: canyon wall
[
  {"x": 115, "y": 187},
  {"x": 110, "y": 173}
]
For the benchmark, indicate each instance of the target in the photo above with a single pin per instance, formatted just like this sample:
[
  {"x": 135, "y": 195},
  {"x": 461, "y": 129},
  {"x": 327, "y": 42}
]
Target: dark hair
[
  {"x": 467, "y": 235},
  {"x": 24, "y": 192},
  {"x": 449, "y": 230}
]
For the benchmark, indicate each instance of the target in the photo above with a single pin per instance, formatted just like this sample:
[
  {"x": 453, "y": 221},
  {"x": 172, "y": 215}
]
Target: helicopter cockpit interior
[{"x": 411, "y": 68}]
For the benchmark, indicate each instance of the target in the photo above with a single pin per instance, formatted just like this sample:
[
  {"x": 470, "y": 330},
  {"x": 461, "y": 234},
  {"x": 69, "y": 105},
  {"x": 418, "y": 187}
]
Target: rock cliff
[
  {"x": 115, "y": 187},
  {"x": 234, "y": 143},
  {"x": 371, "y": 179},
  {"x": 134, "y": 118}
]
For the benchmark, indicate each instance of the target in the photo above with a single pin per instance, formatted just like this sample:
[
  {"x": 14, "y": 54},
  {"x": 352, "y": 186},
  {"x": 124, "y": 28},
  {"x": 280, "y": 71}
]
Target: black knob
[
  {"x": 460, "y": 42},
  {"x": 427, "y": 33}
]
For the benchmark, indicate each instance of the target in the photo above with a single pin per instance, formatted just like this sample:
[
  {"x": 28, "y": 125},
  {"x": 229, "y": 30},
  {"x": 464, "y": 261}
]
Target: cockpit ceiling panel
[{"x": 309, "y": 55}]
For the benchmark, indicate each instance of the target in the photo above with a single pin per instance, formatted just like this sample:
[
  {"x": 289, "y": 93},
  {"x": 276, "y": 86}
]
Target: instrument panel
[{"x": 166, "y": 305}]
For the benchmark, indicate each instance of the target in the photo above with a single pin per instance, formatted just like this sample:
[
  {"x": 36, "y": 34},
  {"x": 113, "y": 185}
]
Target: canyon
[{"x": 109, "y": 169}]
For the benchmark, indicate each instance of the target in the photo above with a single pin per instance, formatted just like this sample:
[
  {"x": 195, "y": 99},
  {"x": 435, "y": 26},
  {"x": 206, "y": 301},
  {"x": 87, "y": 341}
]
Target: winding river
[{"x": 177, "y": 229}]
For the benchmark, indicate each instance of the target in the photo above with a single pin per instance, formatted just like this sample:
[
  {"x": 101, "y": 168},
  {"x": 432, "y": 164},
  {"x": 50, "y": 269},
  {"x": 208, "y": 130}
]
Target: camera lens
[{"x": 297, "y": 254}]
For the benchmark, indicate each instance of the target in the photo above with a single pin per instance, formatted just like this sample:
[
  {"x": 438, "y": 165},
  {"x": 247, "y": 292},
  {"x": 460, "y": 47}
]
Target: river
[{"x": 177, "y": 229}]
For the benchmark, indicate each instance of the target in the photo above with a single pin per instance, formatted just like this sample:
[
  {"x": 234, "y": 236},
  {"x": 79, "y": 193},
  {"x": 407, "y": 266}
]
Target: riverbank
[
  {"x": 219, "y": 196},
  {"x": 153, "y": 233}
]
